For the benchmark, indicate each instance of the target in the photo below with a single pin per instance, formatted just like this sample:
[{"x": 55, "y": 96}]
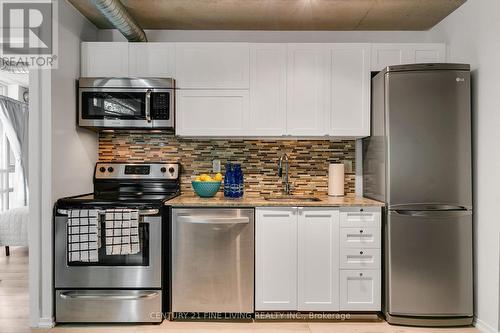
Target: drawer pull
[
  {"x": 360, "y": 252},
  {"x": 360, "y": 274},
  {"x": 361, "y": 210},
  {"x": 361, "y": 231}
]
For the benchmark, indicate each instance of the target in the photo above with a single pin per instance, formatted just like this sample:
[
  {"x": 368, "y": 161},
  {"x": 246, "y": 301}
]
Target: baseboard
[
  {"x": 46, "y": 322},
  {"x": 483, "y": 327}
]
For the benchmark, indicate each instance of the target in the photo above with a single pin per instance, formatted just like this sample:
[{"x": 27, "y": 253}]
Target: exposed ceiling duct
[{"x": 119, "y": 17}]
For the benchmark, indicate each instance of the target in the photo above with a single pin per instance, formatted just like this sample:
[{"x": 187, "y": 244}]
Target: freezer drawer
[
  {"x": 108, "y": 306},
  {"x": 213, "y": 260},
  {"x": 429, "y": 267}
]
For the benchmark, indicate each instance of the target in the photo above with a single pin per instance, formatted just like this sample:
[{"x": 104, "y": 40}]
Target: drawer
[
  {"x": 360, "y": 290},
  {"x": 360, "y": 237},
  {"x": 360, "y": 217},
  {"x": 107, "y": 306},
  {"x": 360, "y": 258}
]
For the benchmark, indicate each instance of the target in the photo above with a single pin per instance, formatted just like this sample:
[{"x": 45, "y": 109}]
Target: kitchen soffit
[{"x": 280, "y": 14}]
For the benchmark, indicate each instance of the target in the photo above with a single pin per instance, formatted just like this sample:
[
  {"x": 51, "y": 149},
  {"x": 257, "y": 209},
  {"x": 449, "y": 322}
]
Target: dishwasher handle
[{"x": 214, "y": 220}]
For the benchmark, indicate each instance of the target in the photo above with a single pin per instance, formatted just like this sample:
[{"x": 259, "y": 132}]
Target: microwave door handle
[{"x": 148, "y": 105}]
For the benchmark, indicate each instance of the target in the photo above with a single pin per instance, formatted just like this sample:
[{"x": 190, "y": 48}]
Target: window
[{"x": 7, "y": 172}]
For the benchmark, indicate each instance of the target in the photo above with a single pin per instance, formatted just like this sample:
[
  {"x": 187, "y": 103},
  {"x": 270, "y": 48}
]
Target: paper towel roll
[{"x": 336, "y": 179}]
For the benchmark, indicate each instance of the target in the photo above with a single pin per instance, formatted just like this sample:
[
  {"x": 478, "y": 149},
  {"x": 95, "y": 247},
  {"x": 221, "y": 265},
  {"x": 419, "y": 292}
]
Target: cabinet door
[
  {"x": 307, "y": 89},
  {"x": 103, "y": 59},
  {"x": 152, "y": 59},
  {"x": 276, "y": 259},
  {"x": 427, "y": 53},
  {"x": 360, "y": 290},
  {"x": 349, "y": 113},
  {"x": 211, "y": 112},
  {"x": 384, "y": 55},
  {"x": 318, "y": 267},
  {"x": 267, "y": 89},
  {"x": 212, "y": 65}
]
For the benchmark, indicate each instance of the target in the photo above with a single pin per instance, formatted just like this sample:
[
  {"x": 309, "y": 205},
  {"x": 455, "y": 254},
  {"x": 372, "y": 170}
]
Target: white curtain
[{"x": 14, "y": 118}]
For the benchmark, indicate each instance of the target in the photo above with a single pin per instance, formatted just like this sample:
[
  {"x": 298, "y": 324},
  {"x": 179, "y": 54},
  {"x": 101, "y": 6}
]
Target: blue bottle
[
  {"x": 238, "y": 177},
  {"x": 234, "y": 192},
  {"x": 227, "y": 180}
]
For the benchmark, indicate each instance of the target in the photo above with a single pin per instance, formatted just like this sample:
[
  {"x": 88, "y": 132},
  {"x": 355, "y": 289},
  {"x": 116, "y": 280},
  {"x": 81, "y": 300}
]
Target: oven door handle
[
  {"x": 148, "y": 105},
  {"x": 142, "y": 212},
  {"x": 104, "y": 296}
]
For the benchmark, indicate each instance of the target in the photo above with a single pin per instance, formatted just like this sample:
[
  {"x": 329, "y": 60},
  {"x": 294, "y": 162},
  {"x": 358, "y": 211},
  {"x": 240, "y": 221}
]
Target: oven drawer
[
  {"x": 360, "y": 258},
  {"x": 360, "y": 237},
  {"x": 108, "y": 306}
]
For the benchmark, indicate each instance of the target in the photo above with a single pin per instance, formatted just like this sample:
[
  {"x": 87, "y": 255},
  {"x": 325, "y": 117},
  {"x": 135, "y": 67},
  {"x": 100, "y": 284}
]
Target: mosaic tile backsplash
[{"x": 308, "y": 159}]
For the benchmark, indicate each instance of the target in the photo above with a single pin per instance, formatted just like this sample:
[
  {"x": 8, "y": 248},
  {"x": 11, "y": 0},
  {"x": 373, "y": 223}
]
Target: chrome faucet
[{"x": 286, "y": 183}]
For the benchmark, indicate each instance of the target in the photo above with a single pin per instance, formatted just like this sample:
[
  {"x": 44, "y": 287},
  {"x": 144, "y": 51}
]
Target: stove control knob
[
  {"x": 102, "y": 169},
  {"x": 171, "y": 170},
  {"x": 163, "y": 169},
  {"x": 111, "y": 169}
]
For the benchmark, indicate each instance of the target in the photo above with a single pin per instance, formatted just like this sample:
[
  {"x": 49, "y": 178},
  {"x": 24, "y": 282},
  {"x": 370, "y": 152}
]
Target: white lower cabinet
[
  {"x": 360, "y": 290},
  {"x": 301, "y": 264},
  {"x": 318, "y": 254},
  {"x": 276, "y": 259}
]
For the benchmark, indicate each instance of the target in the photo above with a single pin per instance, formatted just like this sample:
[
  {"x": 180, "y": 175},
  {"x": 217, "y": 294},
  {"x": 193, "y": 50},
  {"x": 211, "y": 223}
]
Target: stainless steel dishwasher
[{"x": 213, "y": 260}]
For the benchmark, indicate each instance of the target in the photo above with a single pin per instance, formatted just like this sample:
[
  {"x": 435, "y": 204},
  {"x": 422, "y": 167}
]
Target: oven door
[
  {"x": 141, "y": 270},
  {"x": 126, "y": 108}
]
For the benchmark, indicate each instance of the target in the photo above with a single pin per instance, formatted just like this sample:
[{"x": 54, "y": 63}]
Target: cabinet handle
[
  {"x": 361, "y": 231},
  {"x": 360, "y": 252},
  {"x": 361, "y": 210},
  {"x": 360, "y": 274}
]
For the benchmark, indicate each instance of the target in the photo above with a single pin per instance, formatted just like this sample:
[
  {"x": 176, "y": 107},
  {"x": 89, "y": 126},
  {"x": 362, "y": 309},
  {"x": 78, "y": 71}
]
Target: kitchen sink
[{"x": 291, "y": 198}]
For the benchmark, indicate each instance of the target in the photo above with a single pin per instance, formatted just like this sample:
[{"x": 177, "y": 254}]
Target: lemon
[
  {"x": 218, "y": 177},
  {"x": 198, "y": 179}
]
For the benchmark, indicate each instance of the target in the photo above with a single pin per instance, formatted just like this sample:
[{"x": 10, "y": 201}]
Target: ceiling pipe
[{"x": 119, "y": 17}]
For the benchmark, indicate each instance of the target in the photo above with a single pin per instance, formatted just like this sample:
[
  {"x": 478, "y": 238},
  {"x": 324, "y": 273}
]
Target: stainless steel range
[{"x": 116, "y": 287}]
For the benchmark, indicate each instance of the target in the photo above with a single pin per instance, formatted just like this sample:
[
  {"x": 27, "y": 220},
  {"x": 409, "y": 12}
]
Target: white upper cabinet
[
  {"x": 152, "y": 60},
  {"x": 211, "y": 112},
  {"x": 275, "y": 259},
  {"x": 423, "y": 53},
  {"x": 349, "y": 111},
  {"x": 318, "y": 267},
  {"x": 212, "y": 65},
  {"x": 268, "y": 63},
  {"x": 307, "y": 90},
  {"x": 100, "y": 59},
  {"x": 384, "y": 55}
]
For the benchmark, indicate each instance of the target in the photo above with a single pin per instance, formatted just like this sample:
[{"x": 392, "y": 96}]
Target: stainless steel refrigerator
[{"x": 418, "y": 161}]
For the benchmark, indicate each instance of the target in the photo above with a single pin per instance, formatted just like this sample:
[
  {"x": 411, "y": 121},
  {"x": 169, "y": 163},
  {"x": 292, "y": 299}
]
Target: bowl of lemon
[{"x": 207, "y": 186}]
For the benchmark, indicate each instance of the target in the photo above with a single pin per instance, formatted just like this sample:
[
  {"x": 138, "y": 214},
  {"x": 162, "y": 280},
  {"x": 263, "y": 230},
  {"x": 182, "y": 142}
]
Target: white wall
[
  {"x": 62, "y": 157},
  {"x": 279, "y": 36},
  {"x": 471, "y": 34}
]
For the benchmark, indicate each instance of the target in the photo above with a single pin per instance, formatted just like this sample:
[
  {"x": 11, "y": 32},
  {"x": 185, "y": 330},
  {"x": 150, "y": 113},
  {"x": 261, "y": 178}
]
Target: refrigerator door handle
[
  {"x": 428, "y": 207},
  {"x": 432, "y": 213}
]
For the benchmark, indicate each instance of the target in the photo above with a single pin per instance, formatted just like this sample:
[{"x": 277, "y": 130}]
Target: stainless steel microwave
[{"x": 126, "y": 103}]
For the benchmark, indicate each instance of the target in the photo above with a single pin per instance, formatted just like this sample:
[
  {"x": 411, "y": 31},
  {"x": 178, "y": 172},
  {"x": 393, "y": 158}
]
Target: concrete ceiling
[{"x": 280, "y": 14}]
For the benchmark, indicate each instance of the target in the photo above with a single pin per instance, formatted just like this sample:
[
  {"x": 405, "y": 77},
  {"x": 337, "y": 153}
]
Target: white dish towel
[
  {"x": 122, "y": 231},
  {"x": 83, "y": 235}
]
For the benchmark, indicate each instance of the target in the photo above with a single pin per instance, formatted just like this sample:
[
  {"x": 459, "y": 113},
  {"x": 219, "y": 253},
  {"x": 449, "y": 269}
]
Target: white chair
[{"x": 14, "y": 228}]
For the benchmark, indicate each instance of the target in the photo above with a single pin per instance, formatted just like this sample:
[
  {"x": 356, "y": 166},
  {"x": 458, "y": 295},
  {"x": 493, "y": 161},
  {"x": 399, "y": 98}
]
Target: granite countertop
[{"x": 190, "y": 200}]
